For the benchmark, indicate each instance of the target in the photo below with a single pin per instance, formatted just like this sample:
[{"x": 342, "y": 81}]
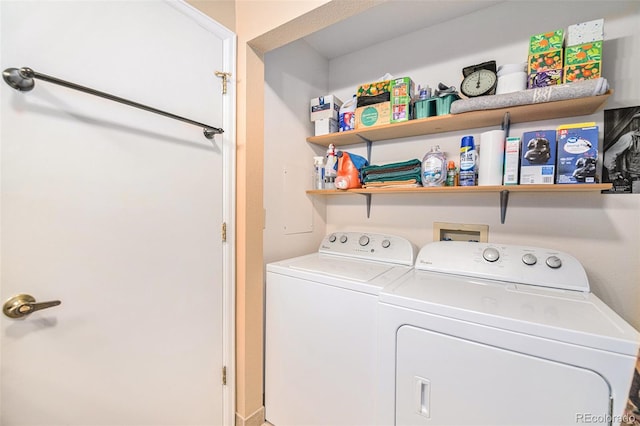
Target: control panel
[
  {"x": 502, "y": 262},
  {"x": 364, "y": 245}
]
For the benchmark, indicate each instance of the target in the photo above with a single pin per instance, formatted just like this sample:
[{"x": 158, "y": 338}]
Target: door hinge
[
  {"x": 224, "y": 375},
  {"x": 224, "y": 76},
  {"x": 224, "y": 232}
]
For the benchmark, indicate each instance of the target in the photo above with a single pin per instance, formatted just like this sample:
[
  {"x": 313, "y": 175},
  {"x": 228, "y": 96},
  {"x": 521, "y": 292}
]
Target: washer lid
[
  {"x": 333, "y": 266},
  {"x": 353, "y": 274},
  {"x": 564, "y": 315}
]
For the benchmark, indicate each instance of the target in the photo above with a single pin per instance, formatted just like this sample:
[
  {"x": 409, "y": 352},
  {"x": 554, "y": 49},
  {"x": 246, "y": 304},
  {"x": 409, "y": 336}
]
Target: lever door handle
[{"x": 21, "y": 305}]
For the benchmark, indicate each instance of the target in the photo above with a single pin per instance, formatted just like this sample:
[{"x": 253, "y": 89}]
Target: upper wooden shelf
[{"x": 466, "y": 120}]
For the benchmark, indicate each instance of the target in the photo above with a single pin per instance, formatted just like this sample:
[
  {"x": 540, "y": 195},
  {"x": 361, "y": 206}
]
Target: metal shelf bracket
[{"x": 504, "y": 201}]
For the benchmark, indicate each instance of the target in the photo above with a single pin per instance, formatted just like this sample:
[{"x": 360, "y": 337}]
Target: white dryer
[
  {"x": 490, "y": 334},
  {"x": 321, "y": 329}
]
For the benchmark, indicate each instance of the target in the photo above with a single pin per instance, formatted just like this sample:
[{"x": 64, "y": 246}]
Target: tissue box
[
  {"x": 538, "y": 157},
  {"x": 511, "y": 161},
  {"x": 373, "y": 93},
  {"x": 401, "y": 94},
  {"x": 545, "y": 69},
  {"x": 373, "y": 115},
  {"x": 551, "y": 60},
  {"x": 585, "y": 32},
  {"x": 583, "y": 53},
  {"x": 582, "y": 72},
  {"x": 547, "y": 41},
  {"x": 325, "y": 107},
  {"x": 577, "y": 153},
  {"x": 326, "y": 126},
  {"x": 544, "y": 79}
]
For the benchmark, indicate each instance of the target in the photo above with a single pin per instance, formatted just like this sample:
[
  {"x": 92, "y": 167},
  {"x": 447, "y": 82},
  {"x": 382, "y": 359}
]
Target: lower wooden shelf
[
  {"x": 588, "y": 187},
  {"x": 503, "y": 190}
]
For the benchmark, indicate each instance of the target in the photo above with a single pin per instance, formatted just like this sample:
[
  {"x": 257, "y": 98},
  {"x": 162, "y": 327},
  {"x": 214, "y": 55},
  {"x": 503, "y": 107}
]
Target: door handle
[{"x": 21, "y": 305}]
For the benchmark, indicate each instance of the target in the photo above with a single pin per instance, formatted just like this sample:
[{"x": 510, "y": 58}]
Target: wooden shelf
[
  {"x": 591, "y": 187},
  {"x": 503, "y": 190},
  {"x": 466, "y": 120}
]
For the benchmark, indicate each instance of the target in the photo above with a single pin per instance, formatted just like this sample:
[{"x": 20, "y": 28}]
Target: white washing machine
[
  {"x": 321, "y": 329},
  {"x": 489, "y": 334}
]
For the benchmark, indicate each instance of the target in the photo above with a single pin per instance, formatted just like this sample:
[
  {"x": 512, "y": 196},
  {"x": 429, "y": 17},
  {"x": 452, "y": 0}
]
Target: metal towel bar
[{"x": 23, "y": 80}]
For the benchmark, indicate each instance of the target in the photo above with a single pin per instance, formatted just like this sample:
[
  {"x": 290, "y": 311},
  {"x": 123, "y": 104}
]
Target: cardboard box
[
  {"x": 582, "y": 72},
  {"x": 585, "y": 32},
  {"x": 373, "y": 115},
  {"x": 511, "y": 161},
  {"x": 538, "y": 157},
  {"x": 544, "y": 78},
  {"x": 326, "y": 126},
  {"x": 373, "y": 93},
  {"x": 544, "y": 69},
  {"x": 583, "y": 53},
  {"x": 401, "y": 94},
  {"x": 546, "y": 61},
  {"x": 325, "y": 107},
  {"x": 577, "y": 153},
  {"x": 547, "y": 41}
]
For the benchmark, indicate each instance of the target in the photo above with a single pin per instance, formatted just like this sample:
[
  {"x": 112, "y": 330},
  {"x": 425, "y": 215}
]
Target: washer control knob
[
  {"x": 554, "y": 262},
  {"x": 343, "y": 238},
  {"x": 386, "y": 243},
  {"x": 332, "y": 238},
  {"x": 491, "y": 254},
  {"x": 363, "y": 241},
  {"x": 529, "y": 259}
]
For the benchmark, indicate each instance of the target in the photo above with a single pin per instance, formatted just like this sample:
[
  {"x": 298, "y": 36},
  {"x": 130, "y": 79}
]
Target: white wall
[
  {"x": 294, "y": 221},
  {"x": 602, "y": 231}
]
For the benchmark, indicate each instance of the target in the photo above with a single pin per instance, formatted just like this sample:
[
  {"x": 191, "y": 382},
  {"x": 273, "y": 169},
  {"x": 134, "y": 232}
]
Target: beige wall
[
  {"x": 223, "y": 11},
  {"x": 261, "y": 26}
]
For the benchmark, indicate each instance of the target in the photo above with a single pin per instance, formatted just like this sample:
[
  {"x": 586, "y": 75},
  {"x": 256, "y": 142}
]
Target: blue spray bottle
[{"x": 467, "y": 176}]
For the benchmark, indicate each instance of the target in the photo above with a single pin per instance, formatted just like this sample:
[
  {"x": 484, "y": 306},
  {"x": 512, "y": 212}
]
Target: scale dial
[{"x": 478, "y": 83}]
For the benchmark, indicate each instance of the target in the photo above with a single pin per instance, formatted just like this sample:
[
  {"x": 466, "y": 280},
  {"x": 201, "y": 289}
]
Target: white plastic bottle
[
  {"x": 434, "y": 168},
  {"x": 329, "y": 168},
  {"x": 318, "y": 173}
]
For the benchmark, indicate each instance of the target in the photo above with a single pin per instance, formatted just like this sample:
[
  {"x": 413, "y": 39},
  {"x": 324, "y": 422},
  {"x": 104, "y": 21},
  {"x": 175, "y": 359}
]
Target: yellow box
[{"x": 373, "y": 115}]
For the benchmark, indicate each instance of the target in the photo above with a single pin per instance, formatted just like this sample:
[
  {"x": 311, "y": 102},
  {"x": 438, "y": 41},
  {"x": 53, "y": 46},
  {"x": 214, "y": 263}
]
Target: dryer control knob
[
  {"x": 491, "y": 254},
  {"x": 529, "y": 259},
  {"x": 386, "y": 243},
  {"x": 343, "y": 238},
  {"x": 363, "y": 241},
  {"x": 332, "y": 238},
  {"x": 554, "y": 262}
]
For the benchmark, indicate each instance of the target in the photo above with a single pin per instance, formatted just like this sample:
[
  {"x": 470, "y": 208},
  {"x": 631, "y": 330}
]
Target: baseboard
[{"x": 255, "y": 419}]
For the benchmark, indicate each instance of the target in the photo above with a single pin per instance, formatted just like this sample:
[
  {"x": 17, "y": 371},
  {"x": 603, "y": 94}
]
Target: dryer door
[{"x": 445, "y": 380}]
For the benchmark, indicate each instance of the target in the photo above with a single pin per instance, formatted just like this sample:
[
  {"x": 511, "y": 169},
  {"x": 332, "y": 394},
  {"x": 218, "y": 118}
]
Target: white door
[{"x": 117, "y": 213}]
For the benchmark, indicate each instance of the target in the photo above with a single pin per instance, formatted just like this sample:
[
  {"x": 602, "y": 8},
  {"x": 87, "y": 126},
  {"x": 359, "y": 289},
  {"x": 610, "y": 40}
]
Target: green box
[
  {"x": 426, "y": 108},
  {"x": 583, "y": 53},
  {"x": 401, "y": 93},
  {"x": 547, "y": 41}
]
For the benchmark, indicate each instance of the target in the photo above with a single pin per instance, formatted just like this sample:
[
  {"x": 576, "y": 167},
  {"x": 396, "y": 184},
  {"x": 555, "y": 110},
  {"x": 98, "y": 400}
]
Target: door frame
[{"x": 228, "y": 139}]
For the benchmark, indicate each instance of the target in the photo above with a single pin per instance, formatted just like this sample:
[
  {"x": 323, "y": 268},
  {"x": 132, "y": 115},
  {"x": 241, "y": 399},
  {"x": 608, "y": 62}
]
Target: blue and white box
[
  {"x": 538, "y": 161},
  {"x": 325, "y": 107},
  {"x": 577, "y": 153}
]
